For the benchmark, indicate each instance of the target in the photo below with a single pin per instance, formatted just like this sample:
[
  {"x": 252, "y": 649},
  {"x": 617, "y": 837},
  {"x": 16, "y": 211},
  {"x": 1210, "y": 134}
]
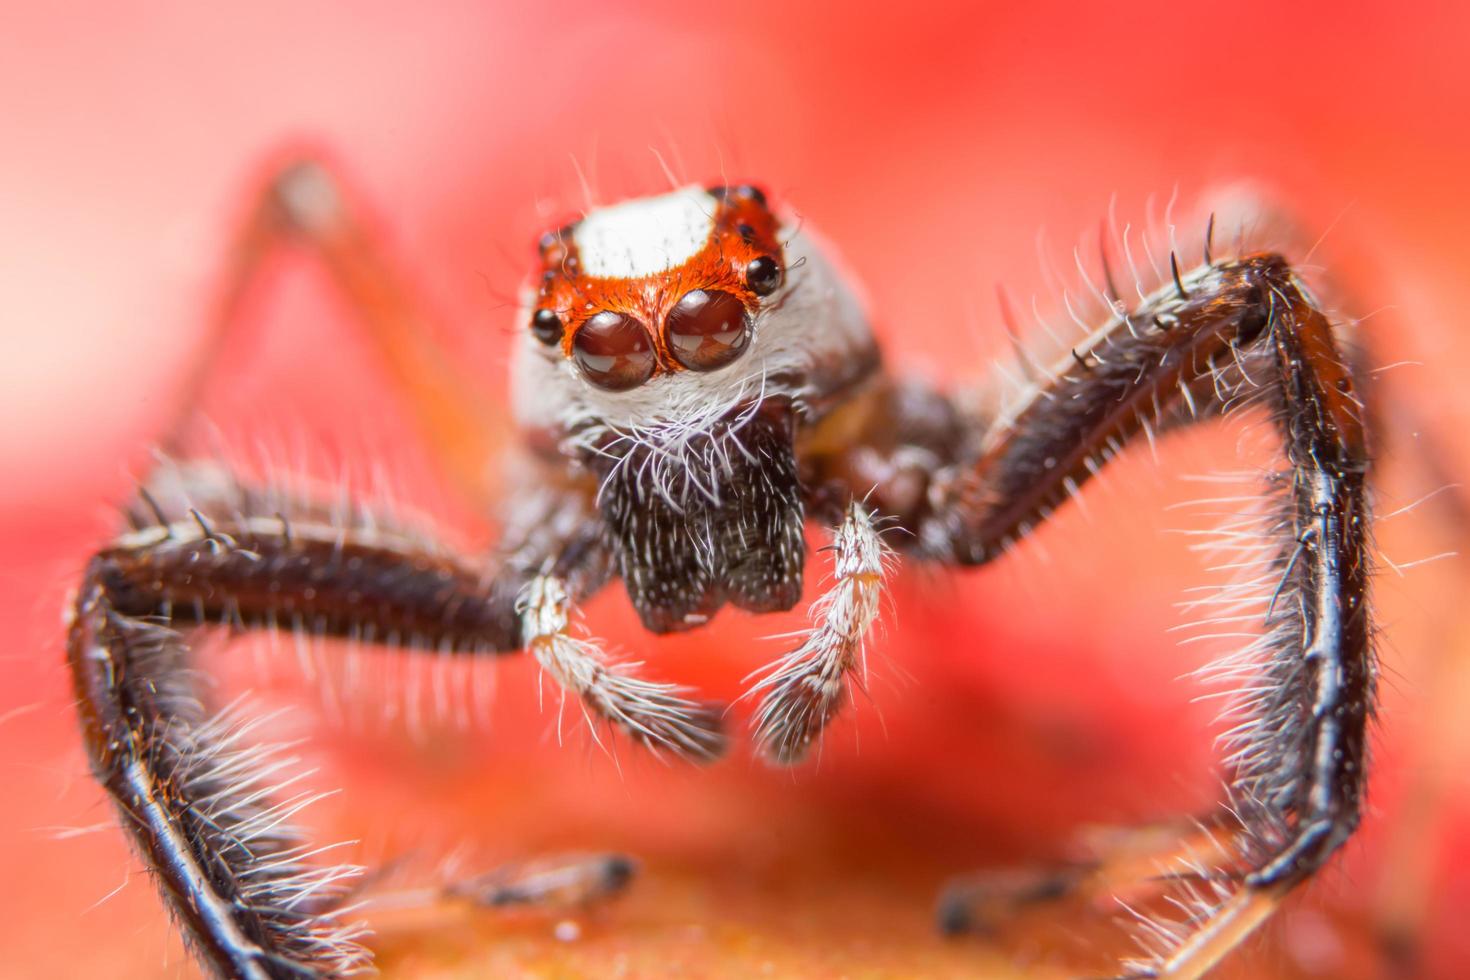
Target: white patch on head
[
  {"x": 815, "y": 319},
  {"x": 646, "y": 236}
]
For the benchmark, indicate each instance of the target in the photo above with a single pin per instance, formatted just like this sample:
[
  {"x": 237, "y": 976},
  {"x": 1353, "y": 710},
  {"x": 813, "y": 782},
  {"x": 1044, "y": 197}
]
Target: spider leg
[
  {"x": 1223, "y": 336},
  {"x": 562, "y": 882},
  {"x": 806, "y": 689},
  {"x": 307, "y": 202},
  {"x": 1131, "y": 864},
  {"x": 205, "y": 551},
  {"x": 550, "y": 882}
]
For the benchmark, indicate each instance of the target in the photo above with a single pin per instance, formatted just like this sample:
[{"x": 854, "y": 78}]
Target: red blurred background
[{"x": 1011, "y": 706}]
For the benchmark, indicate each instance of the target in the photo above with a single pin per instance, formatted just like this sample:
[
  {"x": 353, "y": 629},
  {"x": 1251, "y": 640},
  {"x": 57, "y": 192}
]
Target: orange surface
[{"x": 1010, "y": 707}]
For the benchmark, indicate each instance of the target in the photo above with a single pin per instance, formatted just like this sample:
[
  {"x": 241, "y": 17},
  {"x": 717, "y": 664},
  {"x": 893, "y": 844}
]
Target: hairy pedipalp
[
  {"x": 805, "y": 689},
  {"x": 656, "y": 714}
]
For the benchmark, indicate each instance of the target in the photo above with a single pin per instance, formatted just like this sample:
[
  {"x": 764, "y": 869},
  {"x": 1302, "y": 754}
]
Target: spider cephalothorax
[{"x": 696, "y": 382}]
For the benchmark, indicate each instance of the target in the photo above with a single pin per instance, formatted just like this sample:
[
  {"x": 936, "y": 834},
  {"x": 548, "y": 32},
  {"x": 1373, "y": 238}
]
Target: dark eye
[
  {"x": 613, "y": 351},
  {"x": 707, "y": 330},
  {"x": 546, "y": 325},
  {"x": 763, "y": 275},
  {"x": 556, "y": 241},
  {"x": 750, "y": 192}
]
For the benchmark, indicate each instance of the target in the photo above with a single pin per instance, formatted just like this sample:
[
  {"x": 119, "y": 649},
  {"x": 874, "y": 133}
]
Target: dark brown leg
[
  {"x": 194, "y": 800},
  {"x": 1226, "y": 335}
]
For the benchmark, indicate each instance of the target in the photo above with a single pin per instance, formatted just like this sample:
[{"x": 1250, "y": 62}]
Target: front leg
[
  {"x": 195, "y": 801},
  {"x": 1224, "y": 336}
]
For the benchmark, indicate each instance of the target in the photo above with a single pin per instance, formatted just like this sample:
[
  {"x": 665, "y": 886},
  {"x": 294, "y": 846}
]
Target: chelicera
[{"x": 696, "y": 382}]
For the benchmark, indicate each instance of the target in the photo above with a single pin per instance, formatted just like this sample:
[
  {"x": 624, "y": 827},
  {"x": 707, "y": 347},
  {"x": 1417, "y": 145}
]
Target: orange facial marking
[{"x": 742, "y": 258}]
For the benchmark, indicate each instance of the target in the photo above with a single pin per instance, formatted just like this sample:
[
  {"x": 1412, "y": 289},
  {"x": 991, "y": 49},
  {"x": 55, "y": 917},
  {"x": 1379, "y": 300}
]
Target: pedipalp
[{"x": 805, "y": 689}]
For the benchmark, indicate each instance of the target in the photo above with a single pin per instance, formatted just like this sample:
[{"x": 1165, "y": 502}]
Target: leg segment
[
  {"x": 558, "y": 883},
  {"x": 653, "y": 713},
  {"x": 806, "y": 688},
  {"x": 1226, "y": 335},
  {"x": 1126, "y": 865},
  {"x": 307, "y": 202},
  {"x": 194, "y": 800},
  {"x": 551, "y": 883}
]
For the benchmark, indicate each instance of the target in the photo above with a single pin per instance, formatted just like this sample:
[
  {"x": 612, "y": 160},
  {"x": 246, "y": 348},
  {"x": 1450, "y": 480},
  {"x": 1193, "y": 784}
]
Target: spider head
[
  {"x": 672, "y": 309},
  {"x": 658, "y": 286}
]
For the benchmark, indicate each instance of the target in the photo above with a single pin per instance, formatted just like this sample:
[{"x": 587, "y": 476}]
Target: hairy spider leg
[
  {"x": 196, "y": 798},
  {"x": 1225, "y": 335},
  {"x": 308, "y": 202}
]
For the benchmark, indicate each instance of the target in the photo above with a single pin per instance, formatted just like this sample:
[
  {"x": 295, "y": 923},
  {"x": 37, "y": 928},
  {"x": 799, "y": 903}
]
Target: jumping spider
[{"x": 695, "y": 381}]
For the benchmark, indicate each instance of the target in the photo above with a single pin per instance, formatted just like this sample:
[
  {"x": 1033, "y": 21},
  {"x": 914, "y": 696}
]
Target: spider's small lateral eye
[
  {"x": 751, "y": 193},
  {"x": 614, "y": 351},
  {"x": 707, "y": 330},
  {"x": 747, "y": 191},
  {"x": 546, "y": 325},
  {"x": 556, "y": 240},
  {"x": 763, "y": 275}
]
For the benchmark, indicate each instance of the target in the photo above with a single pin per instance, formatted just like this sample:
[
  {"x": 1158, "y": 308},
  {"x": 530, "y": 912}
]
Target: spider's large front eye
[
  {"x": 614, "y": 351},
  {"x": 707, "y": 330}
]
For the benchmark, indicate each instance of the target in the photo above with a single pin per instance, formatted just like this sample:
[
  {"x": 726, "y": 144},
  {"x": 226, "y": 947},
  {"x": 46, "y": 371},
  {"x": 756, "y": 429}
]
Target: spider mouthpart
[
  {"x": 547, "y": 327},
  {"x": 764, "y": 275},
  {"x": 713, "y": 518},
  {"x": 614, "y": 351}
]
